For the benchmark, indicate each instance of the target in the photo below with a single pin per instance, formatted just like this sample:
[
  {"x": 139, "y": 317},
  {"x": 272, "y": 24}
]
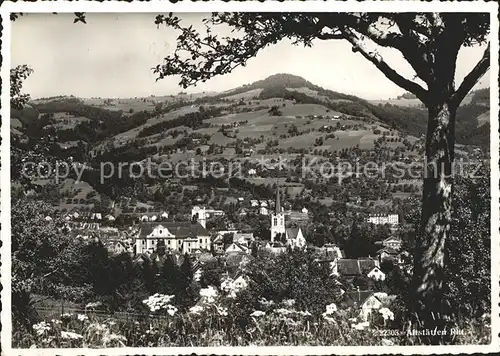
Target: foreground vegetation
[{"x": 209, "y": 323}]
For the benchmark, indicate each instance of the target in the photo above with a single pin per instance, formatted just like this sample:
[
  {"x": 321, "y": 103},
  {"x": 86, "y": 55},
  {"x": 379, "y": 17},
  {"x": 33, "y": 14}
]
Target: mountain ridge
[{"x": 122, "y": 117}]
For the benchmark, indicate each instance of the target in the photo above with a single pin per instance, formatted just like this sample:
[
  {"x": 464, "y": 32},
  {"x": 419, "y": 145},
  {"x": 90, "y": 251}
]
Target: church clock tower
[{"x": 277, "y": 218}]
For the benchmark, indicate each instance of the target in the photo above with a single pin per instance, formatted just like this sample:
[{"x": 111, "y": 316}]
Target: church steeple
[
  {"x": 278, "y": 218},
  {"x": 278, "y": 205}
]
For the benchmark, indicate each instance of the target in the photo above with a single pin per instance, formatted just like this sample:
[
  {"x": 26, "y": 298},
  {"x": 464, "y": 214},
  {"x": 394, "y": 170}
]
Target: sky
[{"x": 112, "y": 56}]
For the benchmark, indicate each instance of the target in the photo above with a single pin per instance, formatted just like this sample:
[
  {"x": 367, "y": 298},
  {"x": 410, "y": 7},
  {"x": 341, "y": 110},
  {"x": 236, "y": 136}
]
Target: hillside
[
  {"x": 282, "y": 117},
  {"x": 98, "y": 120}
]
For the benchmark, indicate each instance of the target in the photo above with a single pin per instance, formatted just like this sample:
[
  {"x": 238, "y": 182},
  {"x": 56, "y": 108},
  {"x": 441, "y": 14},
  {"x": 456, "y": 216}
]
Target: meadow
[{"x": 218, "y": 320}]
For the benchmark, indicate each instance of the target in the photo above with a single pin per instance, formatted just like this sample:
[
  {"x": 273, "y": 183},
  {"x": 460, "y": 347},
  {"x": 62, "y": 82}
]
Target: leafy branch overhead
[
  {"x": 79, "y": 16},
  {"x": 426, "y": 40}
]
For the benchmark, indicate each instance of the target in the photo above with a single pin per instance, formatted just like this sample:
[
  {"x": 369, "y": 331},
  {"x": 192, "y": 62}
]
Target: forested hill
[
  {"x": 472, "y": 116},
  {"x": 101, "y": 122}
]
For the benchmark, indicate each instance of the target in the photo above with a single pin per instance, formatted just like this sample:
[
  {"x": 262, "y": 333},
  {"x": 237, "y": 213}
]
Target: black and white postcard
[{"x": 249, "y": 178}]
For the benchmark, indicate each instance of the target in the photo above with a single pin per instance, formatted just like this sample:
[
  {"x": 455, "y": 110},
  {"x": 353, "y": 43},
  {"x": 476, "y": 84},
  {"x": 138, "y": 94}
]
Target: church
[{"x": 292, "y": 236}]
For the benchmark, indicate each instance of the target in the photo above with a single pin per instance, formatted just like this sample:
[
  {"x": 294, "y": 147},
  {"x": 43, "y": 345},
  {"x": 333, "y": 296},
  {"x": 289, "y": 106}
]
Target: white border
[{"x": 270, "y": 6}]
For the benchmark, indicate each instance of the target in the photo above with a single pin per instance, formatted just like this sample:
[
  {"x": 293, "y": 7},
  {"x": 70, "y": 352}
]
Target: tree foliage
[
  {"x": 467, "y": 275},
  {"x": 296, "y": 275},
  {"x": 17, "y": 75}
]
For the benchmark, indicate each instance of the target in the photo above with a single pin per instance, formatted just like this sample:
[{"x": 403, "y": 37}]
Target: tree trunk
[{"x": 435, "y": 219}]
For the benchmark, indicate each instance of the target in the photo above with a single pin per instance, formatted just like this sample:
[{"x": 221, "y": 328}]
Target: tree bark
[{"x": 435, "y": 219}]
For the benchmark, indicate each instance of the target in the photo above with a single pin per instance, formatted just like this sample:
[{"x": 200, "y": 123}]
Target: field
[{"x": 483, "y": 118}]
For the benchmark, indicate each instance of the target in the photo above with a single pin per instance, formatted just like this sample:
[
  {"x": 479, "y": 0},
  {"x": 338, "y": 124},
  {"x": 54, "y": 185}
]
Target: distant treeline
[{"x": 193, "y": 120}]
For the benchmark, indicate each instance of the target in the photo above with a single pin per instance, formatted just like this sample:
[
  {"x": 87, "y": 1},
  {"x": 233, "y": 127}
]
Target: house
[
  {"x": 116, "y": 247},
  {"x": 355, "y": 267},
  {"x": 241, "y": 282},
  {"x": 305, "y": 211},
  {"x": 218, "y": 244},
  {"x": 197, "y": 275},
  {"x": 385, "y": 298},
  {"x": 263, "y": 210},
  {"x": 196, "y": 253},
  {"x": 329, "y": 254},
  {"x": 182, "y": 237},
  {"x": 297, "y": 216},
  {"x": 142, "y": 257},
  {"x": 275, "y": 247},
  {"x": 388, "y": 254},
  {"x": 376, "y": 274},
  {"x": 254, "y": 203},
  {"x": 263, "y": 203},
  {"x": 252, "y": 172},
  {"x": 236, "y": 248},
  {"x": 243, "y": 238},
  {"x": 110, "y": 217},
  {"x": 333, "y": 251},
  {"x": 392, "y": 242},
  {"x": 295, "y": 237},
  {"x": 366, "y": 301},
  {"x": 164, "y": 215},
  {"x": 48, "y": 218}
]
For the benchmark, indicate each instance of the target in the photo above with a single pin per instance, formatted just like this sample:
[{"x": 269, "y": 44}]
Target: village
[{"x": 156, "y": 237}]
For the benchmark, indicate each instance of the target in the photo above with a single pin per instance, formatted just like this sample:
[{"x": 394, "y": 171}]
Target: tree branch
[
  {"x": 362, "y": 23},
  {"x": 390, "y": 73},
  {"x": 472, "y": 78}
]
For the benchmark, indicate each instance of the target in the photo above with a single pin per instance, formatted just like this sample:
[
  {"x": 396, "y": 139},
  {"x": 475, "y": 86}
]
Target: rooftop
[{"x": 183, "y": 229}]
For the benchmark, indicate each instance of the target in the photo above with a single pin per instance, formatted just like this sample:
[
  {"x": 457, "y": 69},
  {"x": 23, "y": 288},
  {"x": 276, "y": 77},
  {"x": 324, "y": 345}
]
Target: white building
[
  {"x": 392, "y": 242},
  {"x": 293, "y": 236},
  {"x": 382, "y": 219},
  {"x": 237, "y": 248},
  {"x": 277, "y": 218},
  {"x": 376, "y": 274},
  {"x": 182, "y": 237}
]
